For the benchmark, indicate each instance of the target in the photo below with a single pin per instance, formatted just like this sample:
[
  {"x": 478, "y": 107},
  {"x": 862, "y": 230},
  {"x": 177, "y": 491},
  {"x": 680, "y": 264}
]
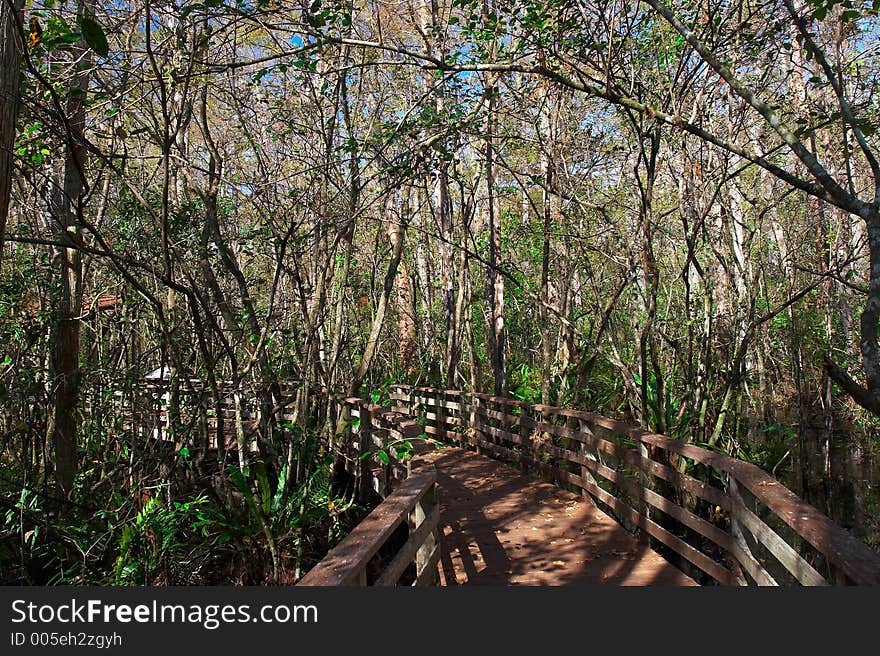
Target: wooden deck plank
[{"x": 500, "y": 527}]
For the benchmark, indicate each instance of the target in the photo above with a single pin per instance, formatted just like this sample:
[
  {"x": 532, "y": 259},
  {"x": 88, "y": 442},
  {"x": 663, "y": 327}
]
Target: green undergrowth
[{"x": 109, "y": 532}]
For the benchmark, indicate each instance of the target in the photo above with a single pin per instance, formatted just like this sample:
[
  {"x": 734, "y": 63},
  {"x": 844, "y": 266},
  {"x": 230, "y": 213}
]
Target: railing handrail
[
  {"x": 854, "y": 558},
  {"x": 843, "y": 550},
  {"x": 346, "y": 563},
  {"x": 410, "y": 494}
]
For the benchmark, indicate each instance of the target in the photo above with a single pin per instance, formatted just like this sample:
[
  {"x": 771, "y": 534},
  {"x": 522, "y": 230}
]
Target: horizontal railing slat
[
  {"x": 784, "y": 553},
  {"x": 427, "y": 575},
  {"x": 407, "y": 552}
]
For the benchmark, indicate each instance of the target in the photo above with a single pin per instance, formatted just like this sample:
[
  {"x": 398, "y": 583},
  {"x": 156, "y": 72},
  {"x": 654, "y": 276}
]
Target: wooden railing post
[
  {"x": 742, "y": 546},
  {"x": 411, "y": 393},
  {"x": 365, "y": 444},
  {"x": 463, "y": 408},
  {"x": 586, "y": 453},
  {"x": 572, "y": 444},
  {"x": 475, "y": 405},
  {"x": 380, "y": 431},
  {"x": 525, "y": 433},
  {"x": 644, "y": 481},
  {"x": 440, "y": 414},
  {"x": 425, "y": 553}
]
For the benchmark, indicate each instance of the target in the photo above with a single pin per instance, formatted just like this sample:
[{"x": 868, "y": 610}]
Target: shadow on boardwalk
[{"x": 501, "y": 527}]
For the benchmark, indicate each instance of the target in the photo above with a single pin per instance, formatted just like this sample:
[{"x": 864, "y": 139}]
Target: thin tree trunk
[
  {"x": 547, "y": 126},
  {"x": 406, "y": 325},
  {"x": 67, "y": 205},
  {"x": 494, "y": 280},
  {"x": 438, "y": 176},
  {"x": 398, "y": 234},
  {"x": 11, "y": 48}
]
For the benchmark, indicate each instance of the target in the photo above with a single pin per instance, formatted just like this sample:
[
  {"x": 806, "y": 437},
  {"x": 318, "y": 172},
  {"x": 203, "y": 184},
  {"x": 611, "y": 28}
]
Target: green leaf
[
  {"x": 238, "y": 478},
  {"x": 279, "y": 492},
  {"x": 384, "y": 457},
  {"x": 93, "y": 35},
  {"x": 262, "y": 479}
]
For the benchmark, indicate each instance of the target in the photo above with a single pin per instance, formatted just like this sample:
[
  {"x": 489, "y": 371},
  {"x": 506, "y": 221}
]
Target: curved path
[{"x": 500, "y": 527}]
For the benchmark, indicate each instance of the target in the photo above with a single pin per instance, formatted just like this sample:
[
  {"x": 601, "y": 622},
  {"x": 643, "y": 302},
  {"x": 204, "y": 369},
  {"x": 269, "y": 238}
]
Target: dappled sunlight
[{"x": 502, "y": 528}]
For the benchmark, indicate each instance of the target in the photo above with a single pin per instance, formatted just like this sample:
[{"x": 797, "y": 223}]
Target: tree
[
  {"x": 67, "y": 208},
  {"x": 11, "y": 30}
]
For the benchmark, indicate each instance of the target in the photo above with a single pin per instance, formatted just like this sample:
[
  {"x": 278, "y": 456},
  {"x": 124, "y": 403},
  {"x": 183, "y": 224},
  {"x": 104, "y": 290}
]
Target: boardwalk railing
[
  {"x": 725, "y": 517},
  {"x": 409, "y": 490},
  {"x": 380, "y": 432},
  {"x": 202, "y": 419},
  {"x": 348, "y": 563}
]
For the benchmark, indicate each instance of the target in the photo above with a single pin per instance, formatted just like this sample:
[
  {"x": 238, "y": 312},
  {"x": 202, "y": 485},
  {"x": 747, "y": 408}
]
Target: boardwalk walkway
[
  {"x": 479, "y": 510},
  {"x": 499, "y": 527},
  {"x": 472, "y": 520}
]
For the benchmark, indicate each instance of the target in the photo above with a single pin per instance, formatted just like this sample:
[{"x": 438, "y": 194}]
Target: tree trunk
[
  {"x": 406, "y": 324},
  {"x": 547, "y": 126},
  {"x": 11, "y": 48},
  {"x": 438, "y": 177},
  {"x": 67, "y": 206},
  {"x": 397, "y": 234},
  {"x": 494, "y": 279}
]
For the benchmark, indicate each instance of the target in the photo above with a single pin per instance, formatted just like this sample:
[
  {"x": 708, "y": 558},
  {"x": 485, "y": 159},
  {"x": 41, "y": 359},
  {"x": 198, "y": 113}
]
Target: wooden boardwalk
[
  {"x": 499, "y": 527},
  {"x": 455, "y": 517}
]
